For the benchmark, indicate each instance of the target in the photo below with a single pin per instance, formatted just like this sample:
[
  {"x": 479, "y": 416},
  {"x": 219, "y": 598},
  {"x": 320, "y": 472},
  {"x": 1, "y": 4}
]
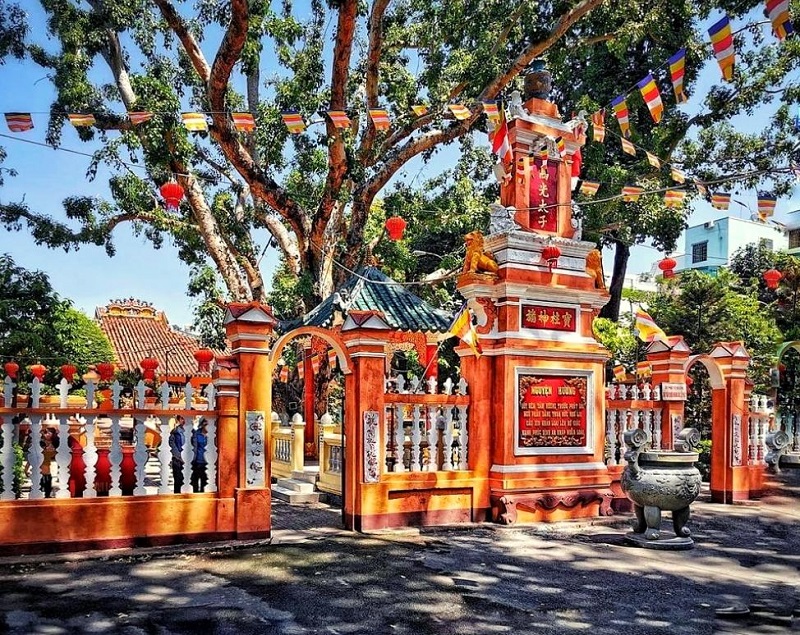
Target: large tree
[{"x": 312, "y": 193}]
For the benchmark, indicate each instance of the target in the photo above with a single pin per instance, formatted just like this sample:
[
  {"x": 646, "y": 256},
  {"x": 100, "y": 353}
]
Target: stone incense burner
[{"x": 656, "y": 480}]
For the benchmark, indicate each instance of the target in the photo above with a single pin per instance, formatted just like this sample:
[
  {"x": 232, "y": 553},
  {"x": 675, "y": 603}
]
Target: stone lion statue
[
  {"x": 594, "y": 267},
  {"x": 476, "y": 260}
]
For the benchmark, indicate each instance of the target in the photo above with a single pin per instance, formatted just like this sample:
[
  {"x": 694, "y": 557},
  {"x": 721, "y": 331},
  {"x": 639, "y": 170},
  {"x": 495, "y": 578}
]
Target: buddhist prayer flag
[
  {"x": 631, "y": 193},
  {"x": 589, "y": 188},
  {"x": 701, "y": 188},
  {"x": 653, "y": 160},
  {"x": 501, "y": 146},
  {"x": 243, "y": 121},
  {"x": 293, "y": 122},
  {"x": 194, "y": 121},
  {"x": 140, "y": 117},
  {"x": 722, "y": 41},
  {"x": 19, "y": 121},
  {"x": 674, "y": 198},
  {"x": 720, "y": 200},
  {"x": 420, "y": 109},
  {"x": 766, "y": 204},
  {"x": 651, "y": 97},
  {"x": 380, "y": 118},
  {"x": 646, "y": 328},
  {"x": 301, "y": 370},
  {"x": 778, "y": 11},
  {"x": 459, "y": 112},
  {"x": 284, "y": 374},
  {"x": 643, "y": 369},
  {"x": 315, "y": 363},
  {"x": 677, "y": 68},
  {"x": 628, "y": 147},
  {"x": 544, "y": 153},
  {"x": 79, "y": 120},
  {"x": 599, "y": 125},
  {"x": 619, "y": 373},
  {"x": 464, "y": 329},
  {"x": 332, "y": 357},
  {"x": 621, "y": 111},
  {"x": 561, "y": 146},
  {"x": 677, "y": 175},
  {"x": 339, "y": 118},
  {"x": 490, "y": 108}
]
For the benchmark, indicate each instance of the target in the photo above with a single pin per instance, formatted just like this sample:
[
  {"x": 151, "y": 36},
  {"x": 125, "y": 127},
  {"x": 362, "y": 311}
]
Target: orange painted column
[
  {"x": 668, "y": 361},
  {"x": 366, "y": 386},
  {"x": 478, "y": 373},
  {"x": 249, "y": 329}
]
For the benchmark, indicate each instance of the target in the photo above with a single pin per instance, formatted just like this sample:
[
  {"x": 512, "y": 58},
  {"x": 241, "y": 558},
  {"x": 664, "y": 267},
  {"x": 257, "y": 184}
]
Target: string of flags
[{"x": 316, "y": 363}]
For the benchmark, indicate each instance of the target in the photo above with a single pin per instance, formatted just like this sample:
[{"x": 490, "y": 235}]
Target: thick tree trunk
[{"x": 622, "y": 253}]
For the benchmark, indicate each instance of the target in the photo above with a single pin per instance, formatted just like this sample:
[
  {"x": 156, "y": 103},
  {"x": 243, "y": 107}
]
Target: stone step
[
  {"x": 296, "y": 485},
  {"x": 309, "y": 474},
  {"x": 294, "y": 497}
]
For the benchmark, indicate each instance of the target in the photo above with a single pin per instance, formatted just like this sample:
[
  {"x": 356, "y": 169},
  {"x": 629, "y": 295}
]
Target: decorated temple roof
[
  {"x": 372, "y": 290},
  {"x": 137, "y": 330}
]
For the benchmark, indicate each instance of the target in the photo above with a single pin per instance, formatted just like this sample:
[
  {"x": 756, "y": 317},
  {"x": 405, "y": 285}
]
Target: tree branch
[{"x": 373, "y": 66}]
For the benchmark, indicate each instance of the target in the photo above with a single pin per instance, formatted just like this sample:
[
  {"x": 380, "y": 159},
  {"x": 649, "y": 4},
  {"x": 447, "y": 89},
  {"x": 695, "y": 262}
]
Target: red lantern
[
  {"x": 395, "y": 226},
  {"x": 172, "y": 193},
  {"x": 203, "y": 357},
  {"x": 149, "y": 365},
  {"x": 667, "y": 265},
  {"x": 38, "y": 371},
  {"x": 772, "y": 277},
  {"x": 105, "y": 370},
  {"x": 11, "y": 368},
  {"x": 550, "y": 255},
  {"x": 68, "y": 372}
]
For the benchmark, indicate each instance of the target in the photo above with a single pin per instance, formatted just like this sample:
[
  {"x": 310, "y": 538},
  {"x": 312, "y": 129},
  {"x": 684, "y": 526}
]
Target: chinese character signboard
[
  {"x": 673, "y": 392},
  {"x": 548, "y": 317},
  {"x": 553, "y": 417},
  {"x": 544, "y": 196},
  {"x": 255, "y": 459}
]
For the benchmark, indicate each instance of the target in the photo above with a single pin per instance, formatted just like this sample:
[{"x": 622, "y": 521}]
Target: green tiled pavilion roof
[{"x": 372, "y": 290}]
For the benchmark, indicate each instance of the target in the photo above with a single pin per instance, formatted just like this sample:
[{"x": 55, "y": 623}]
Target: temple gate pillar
[
  {"x": 668, "y": 362},
  {"x": 249, "y": 328}
]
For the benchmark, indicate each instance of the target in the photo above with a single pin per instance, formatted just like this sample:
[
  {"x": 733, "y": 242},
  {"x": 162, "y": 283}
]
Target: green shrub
[
  {"x": 704, "y": 462},
  {"x": 19, "y": 471}
]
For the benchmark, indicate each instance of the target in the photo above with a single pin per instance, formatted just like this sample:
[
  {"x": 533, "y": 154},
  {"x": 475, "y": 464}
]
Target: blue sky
[{"x": 90, "y": 278}]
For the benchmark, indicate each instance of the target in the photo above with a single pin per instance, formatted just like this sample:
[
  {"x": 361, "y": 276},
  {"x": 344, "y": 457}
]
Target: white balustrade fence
[
  {"x": 629, "y": 407},
  {"x": 94, "y": 458}
]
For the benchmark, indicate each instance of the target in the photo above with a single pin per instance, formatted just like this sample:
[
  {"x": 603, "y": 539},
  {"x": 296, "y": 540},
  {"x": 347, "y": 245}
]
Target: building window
[
  {"x": 700, "y": 252},
  {"x": 794, "y": 238},
  {"x": 766, "y": 243}
]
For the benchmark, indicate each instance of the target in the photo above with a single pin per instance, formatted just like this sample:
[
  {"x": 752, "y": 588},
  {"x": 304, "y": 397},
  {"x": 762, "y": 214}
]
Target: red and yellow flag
[
  {"x": 19, "y": 121},
  {"x": 778, "y": 11},
  {"x": 722, "y": 41},
  {"x": 293, "y": 122},
  {"x": 599, "y": 125},
  {"x": 194, "y": 121},
  {"x": 674, "y": 198},
  {"x": 720, "y": 200},
  {"x": 79, "y": 120},
  {"x": 651, "y": 97},
  {"x": 677, "y": 69},
  {"x": 653, "y": 160},
  {"x": 243, "y": 121},
  {"x": 631, "y": 193},
  {"x": 621, "y": 111},
  {"x": 380, "y": 118},
  {"x": 140, "y": 117},
  {"x": 589, "y": 188},
  {"x": 459, "y": 111},
  {"x": 339, "y": 118},
  {"x": 464, "y": 329},
  {"x": 647, "y": 329},
  {"x": 628, "y": 147}
]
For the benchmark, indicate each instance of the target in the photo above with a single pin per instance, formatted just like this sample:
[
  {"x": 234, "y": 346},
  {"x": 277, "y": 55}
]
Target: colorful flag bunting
[
  {"x": 599, "y": 125},
  {"x": 79, "y": 120},
  {"x": 677, "y": 68},
  {"x": 19, "y": 121},
  {"x": 651, "y": 97},
  {"x": 501, "y": 146},
  {"x": 677, "y": 175},
  {"x": 332, "y": 357},
  {"x": 293, "y": 122},
  {"x": 459, "y": 112},
  {"x": 778, "y": 11},
  {"x": 631, "y": 193},
  {"x": 140, "y": 117},
  {"x": 619, "y": 373},
  {"x": 646, "y": 328},
  {"x": 244, "y": 121},
  {"x": 420, "y": 109},
  {"x": 720, "y": 200},
  {"x": 194, "y": 121},
  {"x": 621, "y": 111},
  {"x": 561, "y": 146},
  {"x": 674, "y": 198},
  {"x": 380, "y": 118},
  {"x": 464, "y": 329},
  {"x": 653, "y": 160},
  {"x": 722, "y": 41},
  {"x": 284, "y": 374},
  {"x": 339, "y": 118},
  {"x": 766, "y": 204},
  {"x": 628, "y": 147},
  {"x": 643, "y": 369},
  {"x": 491, "y": 110},
  {"x": 301, "y": 370},
  {"x": 701, "y": 188},
  {"x": 315, "y": 364},
  {"x": 589, "y": 188}
]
